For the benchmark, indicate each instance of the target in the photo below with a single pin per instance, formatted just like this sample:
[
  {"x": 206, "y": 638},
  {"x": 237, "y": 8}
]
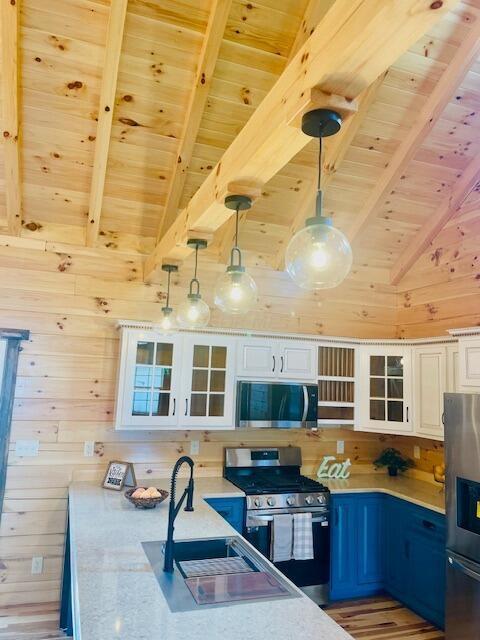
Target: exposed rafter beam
[
  {"x": 356, "y": 41},
  {"x": 423, "y": 124},
  {"x": 198, "y": 98},
  {"x": 9, "y": 17},
  {"x": 435, "y": 223},
  {"x": 335, "y": 149},
  {"x": 113, "y": 48},
  {"x": 314, "y": 12}
]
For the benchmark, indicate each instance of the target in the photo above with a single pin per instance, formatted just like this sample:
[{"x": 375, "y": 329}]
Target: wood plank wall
[
  {"x": 66, "y": 383},
  {"x": 441, "y": 292}
]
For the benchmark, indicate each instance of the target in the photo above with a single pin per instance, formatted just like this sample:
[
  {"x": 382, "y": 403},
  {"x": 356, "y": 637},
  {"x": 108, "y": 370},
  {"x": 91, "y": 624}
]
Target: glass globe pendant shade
[
  {"x": 193, "y": 313},
  {"x": 319, "y": 256},
  {"x": 235, "y": 291},
  {"x": 168, "y": 322}
]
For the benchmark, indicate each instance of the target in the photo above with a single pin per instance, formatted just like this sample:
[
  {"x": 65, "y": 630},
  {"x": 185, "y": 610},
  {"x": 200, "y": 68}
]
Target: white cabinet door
[
  {"x": 452, "y": 368},
  {"x": 383, "y": 385},
  {"x": 208, "y": 389},
  {"x": 298, "y": 361},
  {"x": 469, "y": 361},
  {"x": 430, "y": 383},
  {"x": 257, "y": 358},
  {"x": 147, "y": 391}
]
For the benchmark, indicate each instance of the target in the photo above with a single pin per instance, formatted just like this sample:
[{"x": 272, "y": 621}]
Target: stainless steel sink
[{"x": 222, "y": 563}]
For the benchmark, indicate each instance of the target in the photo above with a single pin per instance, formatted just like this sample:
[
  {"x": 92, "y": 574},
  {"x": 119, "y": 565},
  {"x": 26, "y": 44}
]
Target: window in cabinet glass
[
  {"x": 152, "y": 379},
  {"x": 208, "y": 380},
  {"x": 386, "y": 388}
]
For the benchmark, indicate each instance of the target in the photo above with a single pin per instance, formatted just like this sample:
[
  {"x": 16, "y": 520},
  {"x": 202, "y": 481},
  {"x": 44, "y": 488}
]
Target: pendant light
[
  {"x": 319, "y": 256},
  {"x": 168, "y": 321},
  {"x": 236, "y": 291},
  {"x": 194, "y": 313}
]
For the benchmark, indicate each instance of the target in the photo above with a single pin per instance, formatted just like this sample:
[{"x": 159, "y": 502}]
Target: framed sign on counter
[{"x": 119, "y": 474}]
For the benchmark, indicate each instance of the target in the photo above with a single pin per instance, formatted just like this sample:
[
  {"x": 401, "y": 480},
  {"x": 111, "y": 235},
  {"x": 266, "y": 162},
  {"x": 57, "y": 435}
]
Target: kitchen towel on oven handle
[
  {"x": 302, "y": 536},
  {"x": 281, "y": 538}
]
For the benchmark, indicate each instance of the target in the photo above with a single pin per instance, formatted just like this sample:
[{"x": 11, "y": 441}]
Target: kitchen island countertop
[{"x": 116, "y": 595}]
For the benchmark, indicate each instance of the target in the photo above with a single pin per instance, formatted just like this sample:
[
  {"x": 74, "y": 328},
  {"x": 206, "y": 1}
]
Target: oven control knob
[
  {"x": 321, "y": 499},
  {"x": 257, "y": 502},
  {"x": 290, "y": 500},
  {"x": 309, "y": 500},
  {"x": 271, "y": 502}
]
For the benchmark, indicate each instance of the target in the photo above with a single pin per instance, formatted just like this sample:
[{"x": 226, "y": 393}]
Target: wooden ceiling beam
[
  {"x": 469, "y": 180},
  {"x": 9, "y": 20},
  {"x": 336, "y": 148},
  {"x": 196, "y": 106},
  {"x": 355, "y": 42},
  {"x": 113, "y": 48},
  {"x": 431, "y": 111},
  {"x": 314, "y": 12}
]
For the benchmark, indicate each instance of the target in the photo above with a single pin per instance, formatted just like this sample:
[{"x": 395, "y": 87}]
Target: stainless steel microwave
[{"x": 276, "y": 405}]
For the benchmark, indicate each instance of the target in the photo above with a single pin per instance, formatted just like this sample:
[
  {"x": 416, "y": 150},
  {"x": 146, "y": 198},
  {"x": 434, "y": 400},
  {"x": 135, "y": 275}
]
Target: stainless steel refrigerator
[{"x": 462, "y": 444}]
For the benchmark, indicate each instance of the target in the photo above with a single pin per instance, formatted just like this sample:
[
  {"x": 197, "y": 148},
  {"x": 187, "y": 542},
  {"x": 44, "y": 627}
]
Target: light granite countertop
[
  {"x": 425, "y": 494},
  {"x": 116, "y": 595}
]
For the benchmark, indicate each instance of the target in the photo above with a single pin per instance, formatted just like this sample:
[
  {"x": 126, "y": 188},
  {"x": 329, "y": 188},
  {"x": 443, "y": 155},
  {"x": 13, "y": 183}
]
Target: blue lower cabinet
[
  {"x": 232, "y": 509},
  {"x": 381, "y": 542},
  {"x": 357, "y": 545}
]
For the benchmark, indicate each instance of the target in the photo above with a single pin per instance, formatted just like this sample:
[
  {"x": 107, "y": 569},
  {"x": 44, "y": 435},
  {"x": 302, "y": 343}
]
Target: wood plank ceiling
[{"x": 110, "y": 164}]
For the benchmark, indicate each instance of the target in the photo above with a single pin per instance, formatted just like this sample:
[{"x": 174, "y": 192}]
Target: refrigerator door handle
[{"x": 458, "y": 564}]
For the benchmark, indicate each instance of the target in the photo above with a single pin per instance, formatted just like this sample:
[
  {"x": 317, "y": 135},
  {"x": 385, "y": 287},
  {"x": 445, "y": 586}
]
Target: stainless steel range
[{"x": 273, "y": 484}]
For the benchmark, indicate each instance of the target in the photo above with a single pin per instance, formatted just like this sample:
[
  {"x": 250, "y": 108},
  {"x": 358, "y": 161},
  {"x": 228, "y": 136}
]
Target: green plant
[{"x": 393, "y": 459}]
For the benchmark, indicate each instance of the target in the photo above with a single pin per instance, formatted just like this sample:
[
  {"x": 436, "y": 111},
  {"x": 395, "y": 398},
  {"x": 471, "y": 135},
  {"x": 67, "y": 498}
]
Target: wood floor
[
  {"x": 382, "y": 618},
  {"x": 379, "y": 618}
]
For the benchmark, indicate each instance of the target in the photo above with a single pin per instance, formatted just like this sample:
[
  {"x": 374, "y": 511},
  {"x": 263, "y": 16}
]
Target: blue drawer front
[{"x": 232, "y": 509}]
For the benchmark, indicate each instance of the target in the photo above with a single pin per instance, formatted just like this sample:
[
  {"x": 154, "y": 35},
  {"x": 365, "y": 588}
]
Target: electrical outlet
[
  {"x": 89, "y": 448},
  {"x": 194, "y": 447},
  {"x": 37, "y": 565},
  {"x": 26, "y": 448},
  {"x": 340, "y": 446},
  {"x": 416, "y": 452}
]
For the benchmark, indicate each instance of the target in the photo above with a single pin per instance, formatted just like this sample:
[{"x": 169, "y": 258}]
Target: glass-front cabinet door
[
  {"x": 385, "y": 389},
  {"x": 148, "y": 377},
  {"x": 208, "y": 382}
]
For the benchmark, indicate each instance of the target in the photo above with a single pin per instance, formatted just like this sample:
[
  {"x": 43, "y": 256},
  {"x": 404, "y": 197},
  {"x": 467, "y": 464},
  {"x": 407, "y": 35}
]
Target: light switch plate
[
  {"x": 416, "y": 452},
  {"x": 340, "y": 446},
  {"x": 89, "y": 448},
  {"x": 194, "y": 447},
  {"x": 26, "y": 448},
  {"x": 37, "y": 565}
]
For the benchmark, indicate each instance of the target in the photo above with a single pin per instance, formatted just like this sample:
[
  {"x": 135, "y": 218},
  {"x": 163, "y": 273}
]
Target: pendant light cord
[
  {"x": 194, "y": 280},
  {"x": 168, "y": 288},
  {"x": 196, "y": 262},
  {"x": 237, "y": 209}
]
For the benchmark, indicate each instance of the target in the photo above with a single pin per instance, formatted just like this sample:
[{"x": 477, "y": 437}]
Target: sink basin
[{"x": 215, "y": 572}]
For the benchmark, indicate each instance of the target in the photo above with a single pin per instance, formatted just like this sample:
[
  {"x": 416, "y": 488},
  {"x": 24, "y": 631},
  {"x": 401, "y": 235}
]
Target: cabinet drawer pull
[
  {"x": 428, "y": 525},
  {"x": 174, "y": 406},
  {"x": 281, "y": 364},
  {"x": 186, "y": 406},
  {"x": 408, "y": 413},
  {"x": 273, "y": 363}
]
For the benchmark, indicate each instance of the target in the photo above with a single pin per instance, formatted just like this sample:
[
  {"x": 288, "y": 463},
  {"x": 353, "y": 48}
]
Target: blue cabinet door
[
  {"x": 396, "y": 548},
  {"x": 232, "y": 509},
  {"x": 371, "y": 536},
  {"x": 343, "y": 533}
]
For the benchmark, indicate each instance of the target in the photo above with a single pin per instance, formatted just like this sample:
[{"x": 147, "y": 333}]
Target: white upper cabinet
[
  {"x": 383, "y": 389},
  {"x": 469, "y": 364},
  {"x": 430, "y": 383},
  {"x": 148, "y": 376},
  {"x": 257, "y": 358},
  {"x": 208, "y": 389},
  {"x": 277, "y": 359},
  {"x": 453, "y": 385}
]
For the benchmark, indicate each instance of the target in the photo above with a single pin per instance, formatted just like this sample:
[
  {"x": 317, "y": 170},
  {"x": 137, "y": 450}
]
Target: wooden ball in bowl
[{"x": 147, "y": 502}]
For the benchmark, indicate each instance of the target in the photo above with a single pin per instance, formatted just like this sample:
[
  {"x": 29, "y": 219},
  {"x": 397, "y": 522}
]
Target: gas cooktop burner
[{"x": 276, "y": 483}]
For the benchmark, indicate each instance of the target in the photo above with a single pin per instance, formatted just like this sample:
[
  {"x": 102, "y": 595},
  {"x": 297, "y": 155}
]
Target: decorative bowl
[{"x": 145, "y": 503}]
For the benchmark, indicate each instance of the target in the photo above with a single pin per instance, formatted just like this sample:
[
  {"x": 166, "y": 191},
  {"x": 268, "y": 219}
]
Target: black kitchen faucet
[{"x": 174, "y": 509}]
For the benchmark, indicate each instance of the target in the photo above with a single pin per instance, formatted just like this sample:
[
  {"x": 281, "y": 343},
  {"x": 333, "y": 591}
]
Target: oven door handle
[
  {"x": 306, "y": 403},
  {"x": 262, "y": 521}
]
